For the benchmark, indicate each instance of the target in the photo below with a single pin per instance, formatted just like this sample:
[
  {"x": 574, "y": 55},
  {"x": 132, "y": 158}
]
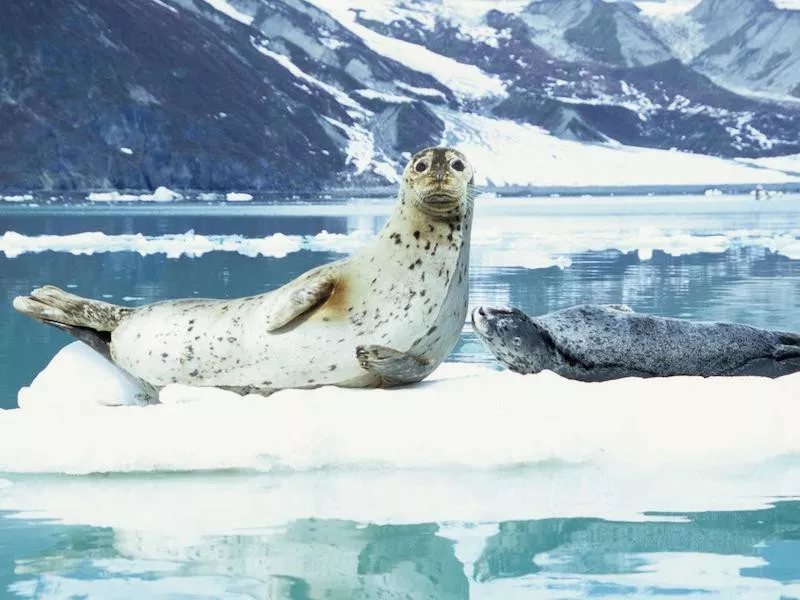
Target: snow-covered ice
[
  {"x": 18, "y": 198},
  {"x": 107, "y": 385},
  {"x": 125, "y": 150},
  {"x": 465, "y": 417}
]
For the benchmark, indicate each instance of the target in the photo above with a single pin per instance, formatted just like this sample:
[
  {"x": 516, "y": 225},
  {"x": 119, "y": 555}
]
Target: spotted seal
[
  {"x": 385, "y": 316},
  {"x": 604, "y": 342}
]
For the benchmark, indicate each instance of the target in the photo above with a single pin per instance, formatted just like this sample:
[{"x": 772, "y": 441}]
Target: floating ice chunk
[
  {"x": 18, "y": 198},
  {"x": 164, "y": 194},
  {"x": 125, "y": 150},
  {"x": 509, "y": 420},
  {"x": 238, "y": 197},
  {"x": 78, "y": 377},
  {"x": 161, "y": 194}
]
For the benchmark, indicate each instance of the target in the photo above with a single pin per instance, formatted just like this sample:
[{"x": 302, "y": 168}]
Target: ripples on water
[{"x": 539, "y": 551}]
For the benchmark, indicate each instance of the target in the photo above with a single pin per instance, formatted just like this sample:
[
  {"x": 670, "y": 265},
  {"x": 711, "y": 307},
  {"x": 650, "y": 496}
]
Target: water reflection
[{"x": 724, "y": 553}]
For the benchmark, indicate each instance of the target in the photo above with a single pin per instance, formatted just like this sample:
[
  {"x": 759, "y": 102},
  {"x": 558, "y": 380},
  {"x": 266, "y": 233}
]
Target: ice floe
[
  {"x": 173, "y": 245},
  {"x": 465, "y": 417},
  {"x": 499, "y": 242}
]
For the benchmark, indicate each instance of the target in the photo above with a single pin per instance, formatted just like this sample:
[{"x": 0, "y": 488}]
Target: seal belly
[{"x": 225, "y": 343}]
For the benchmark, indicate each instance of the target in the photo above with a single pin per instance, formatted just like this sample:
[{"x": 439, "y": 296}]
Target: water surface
[{"x": 543, "y": 531}]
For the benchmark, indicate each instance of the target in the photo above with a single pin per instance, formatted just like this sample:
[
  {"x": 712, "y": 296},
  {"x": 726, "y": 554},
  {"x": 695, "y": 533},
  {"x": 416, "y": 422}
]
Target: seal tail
[{"x": 90, "y": 321}]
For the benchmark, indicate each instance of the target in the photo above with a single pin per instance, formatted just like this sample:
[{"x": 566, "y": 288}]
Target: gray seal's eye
[
  {"x": 458, "y": 165},
  {"x": 421, "y": 166},
  {"x": 516, "y": 341}
]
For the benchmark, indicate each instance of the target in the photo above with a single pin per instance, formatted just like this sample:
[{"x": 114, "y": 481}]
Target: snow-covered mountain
[
  {"x": 753, "y": 44},
  {"x": 292, "y": 94}
]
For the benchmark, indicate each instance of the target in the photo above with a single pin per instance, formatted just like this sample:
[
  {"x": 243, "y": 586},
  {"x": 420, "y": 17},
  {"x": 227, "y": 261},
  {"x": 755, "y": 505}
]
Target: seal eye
[
  {"x": 458, "y": 165},
  {"x": 421, "y": 166},
  {"x": 516, "y": 341}
]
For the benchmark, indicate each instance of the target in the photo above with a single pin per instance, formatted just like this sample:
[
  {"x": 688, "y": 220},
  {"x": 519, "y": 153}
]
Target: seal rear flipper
[
  {"x": 53, "y": 305},
  {"x": 99, "y": 341}
]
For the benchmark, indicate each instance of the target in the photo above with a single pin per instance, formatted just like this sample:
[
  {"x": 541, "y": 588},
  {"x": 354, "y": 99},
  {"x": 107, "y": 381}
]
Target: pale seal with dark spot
[
  {"x": 385, "y": 316},
  {"x": 603, "y": 342}
]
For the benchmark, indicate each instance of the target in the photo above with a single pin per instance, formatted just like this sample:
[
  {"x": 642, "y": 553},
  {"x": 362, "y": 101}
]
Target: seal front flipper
[
  {"x": 299, "y": 296},
  {"x": 392, "y": 366}
]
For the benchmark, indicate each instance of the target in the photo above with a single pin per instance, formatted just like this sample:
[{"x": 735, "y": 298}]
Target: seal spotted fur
[
  {"x": 600, "y": 343},
  {"x": 385, "y": 316}
]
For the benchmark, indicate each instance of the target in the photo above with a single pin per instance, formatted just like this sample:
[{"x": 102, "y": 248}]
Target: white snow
[
  {"x": 286, "y": 63},
  {"x": 665, "y": 8},
  {"x": 238, "y": 197},
  {"x": 161, "y": 194},
  {"x": 361, "y": 151},
  {"x": 226, "y": 8},
  {"x": 790, "y": 163},
  {"x": 167, "y": 6},
  {"x": 375, "y": 95},
  {"x": 508, "y": 420},
  {"x": 425, "y": 92},
  {"x": 509, "y": 153},
  {"x": 466, "y": 81},
  {"x": 125, "y": 150}
]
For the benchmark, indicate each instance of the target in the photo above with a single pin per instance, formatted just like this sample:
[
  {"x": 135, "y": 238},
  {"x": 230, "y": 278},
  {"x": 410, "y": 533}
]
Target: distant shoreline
[{"x": 12, "y": 197}]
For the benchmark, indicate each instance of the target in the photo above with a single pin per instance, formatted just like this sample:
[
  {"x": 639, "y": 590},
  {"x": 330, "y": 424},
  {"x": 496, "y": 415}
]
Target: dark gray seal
[{"x": 604, "y": 342}]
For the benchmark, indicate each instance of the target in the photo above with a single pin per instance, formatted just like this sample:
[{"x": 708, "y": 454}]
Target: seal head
[
  {"x": 439, "y": 183},
  {"x": 515, "y": 339}
]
